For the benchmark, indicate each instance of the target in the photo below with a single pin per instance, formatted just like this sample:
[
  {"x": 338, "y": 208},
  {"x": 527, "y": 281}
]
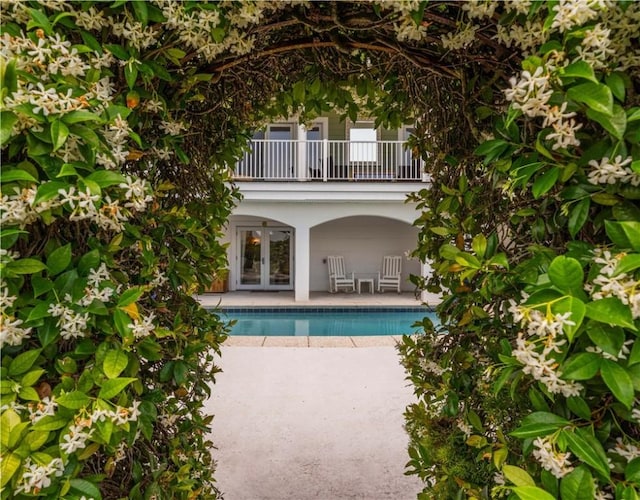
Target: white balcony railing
[{"x": 279, "y": 160}]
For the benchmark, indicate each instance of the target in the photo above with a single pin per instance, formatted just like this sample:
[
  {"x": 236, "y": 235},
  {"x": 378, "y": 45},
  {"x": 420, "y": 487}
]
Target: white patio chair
[
  {"x": 338, "y": 277},
  {"x": 389, "y": 277}
]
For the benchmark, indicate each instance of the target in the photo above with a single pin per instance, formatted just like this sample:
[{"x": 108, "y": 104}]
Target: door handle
[{"x": 262, "y": 261}]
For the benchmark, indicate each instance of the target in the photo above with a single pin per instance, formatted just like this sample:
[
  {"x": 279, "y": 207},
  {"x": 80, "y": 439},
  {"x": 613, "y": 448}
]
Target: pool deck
[{"x": 316, "y": 299}]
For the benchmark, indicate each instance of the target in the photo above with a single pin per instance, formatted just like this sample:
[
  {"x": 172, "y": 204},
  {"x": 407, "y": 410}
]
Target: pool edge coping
[{"x": 313, "y": 341}]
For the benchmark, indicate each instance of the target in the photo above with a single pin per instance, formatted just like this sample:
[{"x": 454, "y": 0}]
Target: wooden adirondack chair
[
  {"x": 389, "y": 277},
  {"x": 338, "y": 277}
]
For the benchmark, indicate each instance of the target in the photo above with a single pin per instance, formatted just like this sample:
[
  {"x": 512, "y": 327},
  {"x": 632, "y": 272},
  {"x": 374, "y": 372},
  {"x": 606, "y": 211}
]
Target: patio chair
[
  {"x": 389, "y": 277},
  {"x": 338, "y": 277}
]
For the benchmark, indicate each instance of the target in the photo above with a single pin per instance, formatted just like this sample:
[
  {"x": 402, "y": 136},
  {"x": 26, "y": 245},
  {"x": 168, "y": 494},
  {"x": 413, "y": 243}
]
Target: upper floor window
[{"x": 362, "y": 142}]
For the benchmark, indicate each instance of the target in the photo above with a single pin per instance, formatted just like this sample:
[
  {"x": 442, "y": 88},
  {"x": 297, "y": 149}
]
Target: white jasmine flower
[
  {"x": 628, "y": 451},
  {"x": 554, "y": 461},
  {"x": 144, "y": 327},
  {"x": 609, "y": 172},
  {"x": 172, "y": 127},
  {"x": 43, "y": 408},
  {"x": 75, "y": 439},
  {"x": 11, "y": 333}
]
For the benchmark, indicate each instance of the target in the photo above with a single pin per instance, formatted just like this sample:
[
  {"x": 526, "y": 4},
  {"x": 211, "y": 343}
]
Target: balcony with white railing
[{"x": 329, "y": 161}]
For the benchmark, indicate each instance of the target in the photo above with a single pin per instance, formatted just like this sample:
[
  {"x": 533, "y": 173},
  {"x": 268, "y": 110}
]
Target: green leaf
[
  {"x": 609, "y": 339},
  {"x": 299, "y": 91},
  {"x": 106, "y": 178},
  {"x": 588, "y": 449},
  {"x": 491, "y": 149},
  {"x": 579, "y": 407},
  {"x": 632, "y": 470},
  {"x": 629, "y": 262},
  {"x": 90, "y": 260},
  {"x": 31, "y": 377},
  {"x": 81, "y": 115},
  {"x": 614, "y": 123},
  {"x": 624, "y": 234},
  {"x": 25, "y": 266},
  {"x": 8, "y": 75},
  {"x": 468, "y": 260},
  {"x": 634, "y": 356},
  {"x": 580, "y": 69},
  {"x": 7, "y": 121},
  {"x": 578, "y": 216},
  {"x": 51, "y": 422},
  {"x": 532, "y": 493},
  {"x": 130, "y": 296},
  {"x": 36, "y": 439},
  {"x": 545, "y": 182},
  {"x": 48, "y": 191},
  {"x": 84, "y": 487},
  {"x": 131, "y": 73},
  {"x": 59, "y": 259},
  {"x": 539, "y": 423},
  {"x": 14, "y": 174},
  {"x": 596, "y": 96},
  {"x": 112, "y": 387},
  {"x": 73, "y": 400},
  {"x": 619, "y": 381},
  {"x": 22, "y": 363},
  {"x": 28, "y": 394},
  {"x": 114, "y": 362},
  {"x": 9, "y": 465},
  {"x": 616, "y": 83},
  {"x": 517, "y": 476},
  {"x": 86, "y": 134},
  {"x": 611, "y": 311},
  {"x": 59, "y": 134},
  {"x": 479, "y": 245},
  {"x": 141, "y": 12},
  {"x": 39, "y": 20},
  {"x": 67, "y": 170},
  {"x": 122, "y": 321},
  {"x": 578, "y": 485},
  {"x": 566, "y": 274},
  {"x": 582, "y": 366},
  {"x": 118, "y": 51}
]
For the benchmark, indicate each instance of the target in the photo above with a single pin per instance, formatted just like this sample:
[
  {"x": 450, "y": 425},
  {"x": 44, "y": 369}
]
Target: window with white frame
[{"x": 363, "y": 142}]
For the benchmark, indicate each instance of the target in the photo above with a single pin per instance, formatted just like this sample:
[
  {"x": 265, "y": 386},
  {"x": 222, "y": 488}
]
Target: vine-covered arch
[{"x": 120, "y": 123}]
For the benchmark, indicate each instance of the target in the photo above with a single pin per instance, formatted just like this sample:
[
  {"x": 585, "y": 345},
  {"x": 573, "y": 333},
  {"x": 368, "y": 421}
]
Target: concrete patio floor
[
  {"x": 302, "y": 424},
  {"x": 302, "y": 418}
]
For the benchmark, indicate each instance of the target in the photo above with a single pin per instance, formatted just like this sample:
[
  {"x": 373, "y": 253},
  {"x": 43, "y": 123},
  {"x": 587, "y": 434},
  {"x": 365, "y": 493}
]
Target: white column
[
  {"x": 301, "y": 255},
  {"x": 301, "y": 160},
  {"x": 425, "y": 270}
]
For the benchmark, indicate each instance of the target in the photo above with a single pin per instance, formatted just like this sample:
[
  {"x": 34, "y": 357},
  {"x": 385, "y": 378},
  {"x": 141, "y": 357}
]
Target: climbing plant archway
[{"x": 120, "y": 122}]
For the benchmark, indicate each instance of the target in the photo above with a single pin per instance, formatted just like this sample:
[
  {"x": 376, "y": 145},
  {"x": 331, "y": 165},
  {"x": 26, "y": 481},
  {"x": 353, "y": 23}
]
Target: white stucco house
[{"x": 328, "y": 188}]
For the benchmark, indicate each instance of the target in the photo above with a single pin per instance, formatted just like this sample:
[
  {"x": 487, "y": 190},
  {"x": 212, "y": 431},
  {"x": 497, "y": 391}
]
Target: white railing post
[
  {"x": 325, "y": 159},
  {"x": 301, "y": 162}
]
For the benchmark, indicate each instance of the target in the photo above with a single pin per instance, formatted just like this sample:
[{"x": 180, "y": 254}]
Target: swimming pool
[{"x": 344, "y": 322}]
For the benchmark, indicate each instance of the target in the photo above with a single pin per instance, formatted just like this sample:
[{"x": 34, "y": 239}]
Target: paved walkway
[{"x": 302, "y": 424}]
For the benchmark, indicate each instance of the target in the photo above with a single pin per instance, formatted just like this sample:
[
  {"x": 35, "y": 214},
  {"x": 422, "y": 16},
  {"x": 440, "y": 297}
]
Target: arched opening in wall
[
  {"x": 260, "y": 253},
  {"x": 363, "y": 241}
]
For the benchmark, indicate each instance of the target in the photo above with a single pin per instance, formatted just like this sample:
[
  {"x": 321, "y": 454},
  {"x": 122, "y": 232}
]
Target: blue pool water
[{"x": 327, "y": 321}]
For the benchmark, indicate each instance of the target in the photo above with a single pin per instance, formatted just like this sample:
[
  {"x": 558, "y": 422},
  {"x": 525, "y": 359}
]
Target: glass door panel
[
  {"x": 250, "y": 257},
  {"x": 279, "y": 257},
  {"x": 265, "y": 257}
]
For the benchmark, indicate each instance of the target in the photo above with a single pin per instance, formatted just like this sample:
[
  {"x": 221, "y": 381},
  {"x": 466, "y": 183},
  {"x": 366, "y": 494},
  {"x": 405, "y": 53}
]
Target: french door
[{"x": 265, "y": 257}]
